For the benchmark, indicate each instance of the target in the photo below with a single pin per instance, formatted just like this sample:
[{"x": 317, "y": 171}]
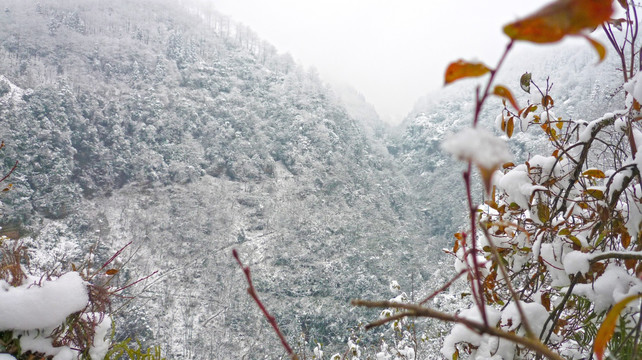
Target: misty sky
[{"x": 392, "y": 51}]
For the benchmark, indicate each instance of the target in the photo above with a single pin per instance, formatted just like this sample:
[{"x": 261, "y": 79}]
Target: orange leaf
[
  {"x": 111, "y": 272},
  {"x": 560, "y": 18},
  {"x": 503, "y": 92},
  {"x": 607, "y": 328},
  {"x": 462, "y": 69}
]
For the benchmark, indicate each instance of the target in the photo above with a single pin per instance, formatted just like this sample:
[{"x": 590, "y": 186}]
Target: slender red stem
[
  {"x": 136, "y": 282},
  {"x": 10, "y": 171},
  {"x": 270, "y": 318}
]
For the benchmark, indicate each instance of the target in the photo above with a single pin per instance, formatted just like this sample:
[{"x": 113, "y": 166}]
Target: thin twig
[
  {"x": 10, "y": 172},
  {"x": 270, "y": 318},
  {"x": 502, "y": 268},
  {"x": 443, "y": 288},
  {"x": 420, "y": 311}
]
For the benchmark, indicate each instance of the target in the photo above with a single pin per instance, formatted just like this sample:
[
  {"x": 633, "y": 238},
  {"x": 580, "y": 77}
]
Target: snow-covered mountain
[
  {"x": 166, "y": 124},
  {"x": 176, "y": 129}
]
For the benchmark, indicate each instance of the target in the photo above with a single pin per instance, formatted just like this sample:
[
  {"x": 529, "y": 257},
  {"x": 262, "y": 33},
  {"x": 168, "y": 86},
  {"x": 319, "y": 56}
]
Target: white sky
[{"x": 392, "y": 51}]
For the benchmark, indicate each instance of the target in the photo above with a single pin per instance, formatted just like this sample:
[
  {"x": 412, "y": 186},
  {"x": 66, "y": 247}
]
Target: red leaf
[{"x": 462, "y": 69}]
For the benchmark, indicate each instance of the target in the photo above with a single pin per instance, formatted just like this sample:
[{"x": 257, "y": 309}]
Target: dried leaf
[
  {"x": 462, "y": 69},
  {"x": 559, "y": 19},
  {"x": 510, "y": 127},
  {"x": 630, "y": 263},
  {"x": 623, "y": 3},
  {"x": 111, "y": 272},
  {"x": 547, "y": 101},
  {"x": 605, "y": 333},
  {"x": 625, "y": 239},
  {"x": 525, "y": 82},
  {"x": 508, "y": 165},
  {"x": 503, "y": 92}
]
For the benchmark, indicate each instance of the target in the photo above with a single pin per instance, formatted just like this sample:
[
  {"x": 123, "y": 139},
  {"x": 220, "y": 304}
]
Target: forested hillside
[{"x": 152, "y": 122}]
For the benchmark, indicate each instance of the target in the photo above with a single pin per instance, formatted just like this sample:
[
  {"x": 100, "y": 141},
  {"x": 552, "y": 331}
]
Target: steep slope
[{"x": 152, "y": 122}]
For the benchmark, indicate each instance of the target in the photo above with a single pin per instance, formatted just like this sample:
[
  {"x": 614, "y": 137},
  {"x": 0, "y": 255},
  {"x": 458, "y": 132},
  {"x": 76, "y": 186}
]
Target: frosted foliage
[
  {"x": 460, "y": 333},
  {"x": 614, "y": 285},
  {"x": 31, "y": 306},
  {"x": 576, "y": 262},
  {"x": 479, "y": 146},
  {"x": 517, "y": 185},
  {"x": 535, "y": 313}
]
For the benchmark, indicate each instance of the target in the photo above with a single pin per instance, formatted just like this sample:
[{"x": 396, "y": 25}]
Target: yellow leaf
[
  {"x": 565, "y": 231},
  {"x": 559, "y": 125},
  {"x": 575, "y": 240},
  {"x": 605, "y": 333},
  {"x": 594, "y": 173},
  {"x": 462, "y": 69},
  {"x": 598, "y": 194},
  {"x": 503, "y": 92}
]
